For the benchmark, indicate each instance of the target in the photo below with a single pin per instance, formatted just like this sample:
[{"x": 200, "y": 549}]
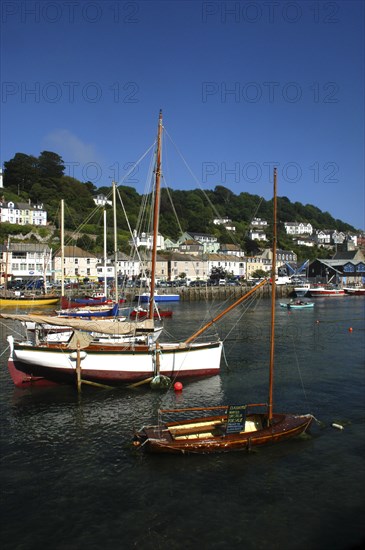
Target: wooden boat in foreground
[
  {"x": 236, "y": 427},
  {"x": 233, "y": 430}
]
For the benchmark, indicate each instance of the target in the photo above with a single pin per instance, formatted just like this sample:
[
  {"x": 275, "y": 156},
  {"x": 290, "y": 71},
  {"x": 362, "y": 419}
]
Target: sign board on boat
[{"x": 236, "y": 419}]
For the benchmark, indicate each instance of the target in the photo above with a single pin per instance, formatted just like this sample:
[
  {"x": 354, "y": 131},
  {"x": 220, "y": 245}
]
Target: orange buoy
[
  {"x": 350, "y": 329},
  {"x": 178, "y": 386}
]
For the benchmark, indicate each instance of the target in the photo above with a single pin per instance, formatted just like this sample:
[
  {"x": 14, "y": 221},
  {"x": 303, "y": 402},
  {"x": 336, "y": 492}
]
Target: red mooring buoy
[
  {"x": 350, "y": 329},
  {"x": 178, "y": 386}
]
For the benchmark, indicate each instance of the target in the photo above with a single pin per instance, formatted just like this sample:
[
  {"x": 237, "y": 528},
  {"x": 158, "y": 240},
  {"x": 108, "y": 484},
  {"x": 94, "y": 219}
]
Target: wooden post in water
[{"x": 78, "y": 368}]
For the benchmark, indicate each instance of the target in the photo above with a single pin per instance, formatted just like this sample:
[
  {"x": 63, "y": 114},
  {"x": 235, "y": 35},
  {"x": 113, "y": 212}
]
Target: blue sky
[{"x": 243, "y": 86}]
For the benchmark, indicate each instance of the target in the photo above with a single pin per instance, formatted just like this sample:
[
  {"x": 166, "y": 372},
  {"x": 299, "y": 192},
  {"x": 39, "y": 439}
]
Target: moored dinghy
[
  {"x": 297, "y": 304},
  {"x": 235, "y": 427}
]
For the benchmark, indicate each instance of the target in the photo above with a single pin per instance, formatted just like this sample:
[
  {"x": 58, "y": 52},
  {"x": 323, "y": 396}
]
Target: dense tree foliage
[
  {"x": 50, "y": 165},
  {"x": 20, "y": 173}
]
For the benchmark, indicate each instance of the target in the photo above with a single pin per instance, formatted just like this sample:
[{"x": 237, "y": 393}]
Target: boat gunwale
[{"x": 113, "y": 348}]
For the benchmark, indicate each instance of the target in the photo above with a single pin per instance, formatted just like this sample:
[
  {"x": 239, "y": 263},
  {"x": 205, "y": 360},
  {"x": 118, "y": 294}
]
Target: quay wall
[{"x": 193, "y": 294}]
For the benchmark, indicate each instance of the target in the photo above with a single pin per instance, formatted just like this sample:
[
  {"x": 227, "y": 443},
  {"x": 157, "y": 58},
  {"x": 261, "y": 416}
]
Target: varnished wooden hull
[{"x": 160, "y": 439}]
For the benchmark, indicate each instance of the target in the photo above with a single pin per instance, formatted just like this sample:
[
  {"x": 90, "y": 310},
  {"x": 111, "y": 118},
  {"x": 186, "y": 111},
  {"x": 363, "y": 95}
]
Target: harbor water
[{"x": 71, "y": 479}]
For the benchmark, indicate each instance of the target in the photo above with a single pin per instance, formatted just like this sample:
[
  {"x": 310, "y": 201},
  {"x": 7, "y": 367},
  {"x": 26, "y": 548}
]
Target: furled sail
[{"x": 112, "y": 326}]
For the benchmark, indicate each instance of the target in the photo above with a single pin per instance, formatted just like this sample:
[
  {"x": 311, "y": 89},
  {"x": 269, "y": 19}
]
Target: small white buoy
[{"x": 337, "y": 426}]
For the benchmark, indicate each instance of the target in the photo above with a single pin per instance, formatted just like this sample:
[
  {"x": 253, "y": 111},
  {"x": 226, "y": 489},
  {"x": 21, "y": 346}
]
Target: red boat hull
[
  {"x": 325, "y": 292},
  {"x": 143, "y": 314}
]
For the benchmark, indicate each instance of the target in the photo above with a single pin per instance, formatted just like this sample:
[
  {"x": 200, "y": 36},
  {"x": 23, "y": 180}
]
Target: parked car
[{"x": 198, "y": 283}]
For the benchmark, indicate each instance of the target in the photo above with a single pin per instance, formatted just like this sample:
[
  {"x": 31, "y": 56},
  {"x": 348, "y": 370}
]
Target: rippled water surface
[{"x": 70, "y": 478}]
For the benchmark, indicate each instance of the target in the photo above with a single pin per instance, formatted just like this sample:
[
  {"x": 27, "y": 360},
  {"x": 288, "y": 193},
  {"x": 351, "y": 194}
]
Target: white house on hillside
[
  {"x": 146, "y": 240},
  {"x": 227, "y": 222},
  {"x": 298, "y": 228},
  {"x": 322, "y": 237},
  {"x": 101, "y": 200},
  {"x": 209, "y": 242},
  {"x": 257, "y": 235},
  {"x": 259, "y": 223},
  {"x": 21, "y": 213}
]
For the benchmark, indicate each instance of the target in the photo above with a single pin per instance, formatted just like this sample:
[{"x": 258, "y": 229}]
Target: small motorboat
[{"x": 297, "y": 304}]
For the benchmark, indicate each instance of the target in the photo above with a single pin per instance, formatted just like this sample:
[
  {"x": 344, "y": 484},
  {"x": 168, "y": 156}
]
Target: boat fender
[
  {"x": 160, "y": 382},
  {"x": 337, "y": 426},
  {"x": 73, "y": 355}
]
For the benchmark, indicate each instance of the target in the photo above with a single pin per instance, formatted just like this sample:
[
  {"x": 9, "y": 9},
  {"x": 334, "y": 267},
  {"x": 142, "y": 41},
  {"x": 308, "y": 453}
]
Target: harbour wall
[{"x": 193, "y": 294}]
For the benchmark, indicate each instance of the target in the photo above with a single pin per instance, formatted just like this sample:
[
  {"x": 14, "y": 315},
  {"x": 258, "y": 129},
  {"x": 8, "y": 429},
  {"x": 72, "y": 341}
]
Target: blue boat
[
  {"x": 85, "y": 312},
  {"x": 145, "y": 297}
]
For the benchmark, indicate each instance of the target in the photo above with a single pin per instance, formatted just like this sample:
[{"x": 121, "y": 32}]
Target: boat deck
[{"x": 210, "y": 428}]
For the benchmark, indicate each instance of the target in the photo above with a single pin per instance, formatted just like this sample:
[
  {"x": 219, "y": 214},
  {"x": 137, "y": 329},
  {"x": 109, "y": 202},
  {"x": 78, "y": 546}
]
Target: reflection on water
[{"x": 70, "y": 478}]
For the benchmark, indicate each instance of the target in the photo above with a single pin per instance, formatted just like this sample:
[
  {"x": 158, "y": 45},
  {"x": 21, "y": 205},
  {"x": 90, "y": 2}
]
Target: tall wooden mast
[
  {"x": 62, "y": 247},
  {"x": 105, "y": 257},
  {"x": 115, "y": 244},
  {"x": 156, "y": 213},
  {"x": 273, "y": 300}
]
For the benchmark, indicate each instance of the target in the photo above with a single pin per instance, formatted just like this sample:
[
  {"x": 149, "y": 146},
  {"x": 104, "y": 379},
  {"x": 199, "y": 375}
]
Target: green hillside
[{"x": 41, "y": 179}]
